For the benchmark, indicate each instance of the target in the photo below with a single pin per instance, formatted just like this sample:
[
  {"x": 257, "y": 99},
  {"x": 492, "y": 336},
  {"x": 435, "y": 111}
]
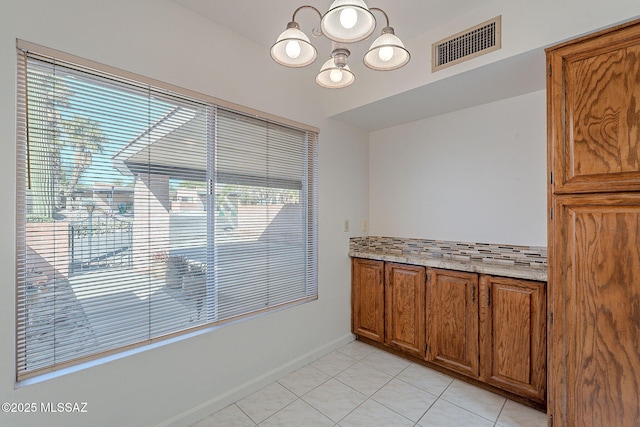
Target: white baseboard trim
[{"x": 210, "y": 406}]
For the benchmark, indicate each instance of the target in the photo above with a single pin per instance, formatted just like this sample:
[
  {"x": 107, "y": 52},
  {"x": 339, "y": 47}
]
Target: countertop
[{"x": 521, "y": 262}]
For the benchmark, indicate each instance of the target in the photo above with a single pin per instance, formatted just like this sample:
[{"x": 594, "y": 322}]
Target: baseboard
[{"x": 210, "y": 406}]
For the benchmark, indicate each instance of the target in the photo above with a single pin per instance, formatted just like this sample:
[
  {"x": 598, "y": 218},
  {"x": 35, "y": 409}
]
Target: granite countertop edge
[{"x": 518, "y": 272}]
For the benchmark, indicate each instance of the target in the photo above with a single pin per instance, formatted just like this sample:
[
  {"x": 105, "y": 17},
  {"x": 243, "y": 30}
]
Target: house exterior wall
[
  {"x": 41, "y": 238},
  {"x": 151, "y": 220}
]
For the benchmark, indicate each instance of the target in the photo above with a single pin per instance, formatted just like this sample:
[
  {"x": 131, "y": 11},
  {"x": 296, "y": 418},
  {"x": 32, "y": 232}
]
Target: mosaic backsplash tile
[{"x": 517, "y": 256}]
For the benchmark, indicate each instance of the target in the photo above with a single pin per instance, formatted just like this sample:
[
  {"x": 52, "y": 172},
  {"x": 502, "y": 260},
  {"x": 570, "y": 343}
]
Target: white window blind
[{"x": 143, "y": 213}]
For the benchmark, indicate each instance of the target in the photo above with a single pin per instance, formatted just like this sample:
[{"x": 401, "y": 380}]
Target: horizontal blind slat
[{"x": 144, "y": 214}]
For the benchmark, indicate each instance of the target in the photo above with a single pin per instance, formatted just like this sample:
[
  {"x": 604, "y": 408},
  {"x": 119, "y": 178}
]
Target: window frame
[{"x": 25, "y": 48}]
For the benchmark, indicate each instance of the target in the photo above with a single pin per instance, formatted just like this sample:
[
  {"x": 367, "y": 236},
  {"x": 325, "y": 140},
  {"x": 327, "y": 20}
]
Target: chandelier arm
[
  {"x": 383, "y": 12},
  {"x": 317, "y": 32},
  {"x": 306, "y": 7}
]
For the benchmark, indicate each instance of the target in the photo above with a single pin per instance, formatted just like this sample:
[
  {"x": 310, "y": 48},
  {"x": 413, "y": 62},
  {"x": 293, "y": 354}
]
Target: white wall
[
  {"x": 476, "y": 175},
  {"x": 181, "y": 382}
]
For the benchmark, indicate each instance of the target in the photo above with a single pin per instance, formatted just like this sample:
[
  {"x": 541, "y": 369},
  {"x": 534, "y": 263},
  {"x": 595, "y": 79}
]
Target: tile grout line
[
  {"x": 415, "y": 423},
  {"x": 368, "y": 398},
  {"x": 245, "y": 414},
  {"x": 474, "y": 413},
  {"x": 331, "y": 377},
  {"x": 500, "y": 413}
]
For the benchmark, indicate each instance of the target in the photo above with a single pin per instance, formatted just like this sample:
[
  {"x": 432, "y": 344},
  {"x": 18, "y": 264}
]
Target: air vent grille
[{"x": 468, "y": 44}]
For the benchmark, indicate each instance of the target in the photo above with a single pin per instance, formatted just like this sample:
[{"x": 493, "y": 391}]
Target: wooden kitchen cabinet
[
  {"x": 593, "y": 93},
  {"x": 367, "y": 298},
  {"x": 405, "y": 311},
  {"x": 388, "y": 303},
  {"x": 595, "y": 355},
  {"x": 513, "y": 335},
  {"x": 452, "y": 321},
  {"x": 488, "y": 328}
]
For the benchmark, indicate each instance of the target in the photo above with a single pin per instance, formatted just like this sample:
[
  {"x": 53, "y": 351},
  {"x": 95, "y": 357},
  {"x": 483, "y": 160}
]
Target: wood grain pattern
[
  {"x": 603, "y": 134},
  {"x": 405, "y": 312},
  {"x": 513, "y": 335},
  {"x": 594, "y": 104},
  {"x": 367, "y": 298},
  {"x": 593, "y": 95},
  {"x": 599, "y": 303},
  {"x": 452, "y": 319}
]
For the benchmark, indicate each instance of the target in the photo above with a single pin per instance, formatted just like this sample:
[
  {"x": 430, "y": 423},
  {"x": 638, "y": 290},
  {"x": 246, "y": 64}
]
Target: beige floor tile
[
  {"x": 516, "y": 415},
  {"x": 364, "y": 378},
  {"x": 333, "y": 390},
  {"x": 474, "y": 399},
  {"x": 445, "y": 414},
  {"x": 299, "y": 413},
  {"x": 386, "y": 362},
  {"x": 405, "y": 399},
  {"x": 334, "y": 399},
  {"x": 334, "y": 363},
  {"x": 426, "y": 379},
  {"x": 262, "y": 404},
  {"x": 357, "y": 349},
  {"x": 304, "y": 380},
  {"x": 373, "y": 414},
  {"x": 231, "y": 416}
]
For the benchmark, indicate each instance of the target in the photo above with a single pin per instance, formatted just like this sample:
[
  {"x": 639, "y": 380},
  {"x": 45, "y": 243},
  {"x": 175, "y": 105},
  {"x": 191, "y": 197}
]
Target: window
[{"x": 144, "y": 212}]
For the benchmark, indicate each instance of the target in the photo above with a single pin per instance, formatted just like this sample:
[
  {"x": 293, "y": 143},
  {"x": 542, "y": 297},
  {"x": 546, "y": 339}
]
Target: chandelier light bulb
[
  {"x": 385, "y": 53},
  {"x": 348, "y": 21},
  {"x": 293, "y": 49},
  {"x": 348, "y": 18},
  {"x": 336, "y": 75}
]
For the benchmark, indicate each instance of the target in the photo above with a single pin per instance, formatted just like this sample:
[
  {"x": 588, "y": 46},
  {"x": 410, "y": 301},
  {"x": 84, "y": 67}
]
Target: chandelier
[{"x": 347, "y": 21}]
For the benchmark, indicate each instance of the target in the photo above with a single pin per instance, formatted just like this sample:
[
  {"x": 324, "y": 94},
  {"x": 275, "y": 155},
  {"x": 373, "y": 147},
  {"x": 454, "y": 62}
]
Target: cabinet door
[
  {"x": 452, "y": 319},
  {"x": 405, "y": 296},
  {"x": 367, "y": 298},
  {"x": 595, "y": 303},
  {"x": 594, "y": 113},
  {"x": 513, "y": 335}
]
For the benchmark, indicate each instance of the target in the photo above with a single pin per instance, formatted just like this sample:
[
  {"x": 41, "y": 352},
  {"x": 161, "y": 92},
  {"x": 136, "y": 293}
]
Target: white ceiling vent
[{"x": 468, "y": 44}]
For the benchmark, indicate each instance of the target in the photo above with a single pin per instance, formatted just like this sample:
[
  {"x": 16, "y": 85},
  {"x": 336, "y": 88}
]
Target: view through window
[{"x": 143, "y": 213}]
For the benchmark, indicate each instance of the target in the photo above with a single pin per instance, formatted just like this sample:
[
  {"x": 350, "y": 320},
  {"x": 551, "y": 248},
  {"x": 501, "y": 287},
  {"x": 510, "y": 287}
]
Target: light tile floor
[{"x": 361, "y": 386}]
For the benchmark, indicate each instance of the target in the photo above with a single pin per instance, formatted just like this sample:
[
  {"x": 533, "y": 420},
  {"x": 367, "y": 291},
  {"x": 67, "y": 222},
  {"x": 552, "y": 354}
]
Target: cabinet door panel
[
  {"x": 513, "y": 335},
  {"x": 596, "y": 307},
  {"x": 405, "y": 296},
  {"x": 595, "y": 114},
  {"x": 452, "y": 319},
  {"x": 367, "y": 299}
]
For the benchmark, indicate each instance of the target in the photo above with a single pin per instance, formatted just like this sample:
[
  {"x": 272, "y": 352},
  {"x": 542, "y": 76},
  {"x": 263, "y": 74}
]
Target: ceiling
[{"x": 262, "y": 21}]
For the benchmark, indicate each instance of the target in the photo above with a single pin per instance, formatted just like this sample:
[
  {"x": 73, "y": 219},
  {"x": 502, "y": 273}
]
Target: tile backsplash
[{"x": 526, "y": 256}]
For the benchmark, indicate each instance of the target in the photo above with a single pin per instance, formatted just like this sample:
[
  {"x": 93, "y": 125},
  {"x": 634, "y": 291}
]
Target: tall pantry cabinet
[{"x": 593, "y": 90}]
